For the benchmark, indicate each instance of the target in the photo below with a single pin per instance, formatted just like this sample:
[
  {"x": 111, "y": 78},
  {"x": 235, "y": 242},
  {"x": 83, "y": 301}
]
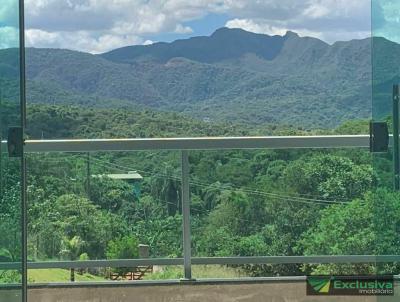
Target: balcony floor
[{"x": 201, "y": 291}]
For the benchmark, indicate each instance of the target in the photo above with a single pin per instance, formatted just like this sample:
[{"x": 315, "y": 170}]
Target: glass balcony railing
[
  {"x": 203, "y": 208},
  {"x": 229, "y": 202}
]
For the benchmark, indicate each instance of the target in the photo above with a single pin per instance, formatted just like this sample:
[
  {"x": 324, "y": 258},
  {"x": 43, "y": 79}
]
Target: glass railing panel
[
  {"x": 243, "y": 204},
  {"x": 217, "y": 71},
  {"x": 386, "y": 74},
  {"x": 11, "y": 269},
  {"x": 103, "y": 206},
  {"x": 283, "y": 203}
]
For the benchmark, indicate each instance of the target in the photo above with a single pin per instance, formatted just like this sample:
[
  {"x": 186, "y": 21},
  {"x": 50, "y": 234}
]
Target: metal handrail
[
  {"x": 197, "y": 143},
  {"x": 326, "y": 259}
]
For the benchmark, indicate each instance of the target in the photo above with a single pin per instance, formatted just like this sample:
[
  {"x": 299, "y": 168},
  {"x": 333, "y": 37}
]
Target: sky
[{"x": 97, "y": 26}]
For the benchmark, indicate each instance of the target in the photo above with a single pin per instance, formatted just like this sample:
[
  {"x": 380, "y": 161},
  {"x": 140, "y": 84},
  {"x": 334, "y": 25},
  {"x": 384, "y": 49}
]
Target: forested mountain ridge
[
  {"x": 222, "y": 45},
  {"x": 233, "y": 75}
]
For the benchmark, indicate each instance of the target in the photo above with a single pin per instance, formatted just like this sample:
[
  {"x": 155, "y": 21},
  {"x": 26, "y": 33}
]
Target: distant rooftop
[{"x": 131, "y": 175}]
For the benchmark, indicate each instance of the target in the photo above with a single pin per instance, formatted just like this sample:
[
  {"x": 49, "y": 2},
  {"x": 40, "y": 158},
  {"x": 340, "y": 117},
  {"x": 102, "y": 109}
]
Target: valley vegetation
[{"x": 243, "y": 203}]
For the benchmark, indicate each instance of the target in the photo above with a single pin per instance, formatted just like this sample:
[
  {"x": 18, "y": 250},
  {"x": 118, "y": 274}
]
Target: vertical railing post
[
  {"x": 24, "y": 205},
  {"x": 187, "y": 249},
  {"x": 396, "y": 147}
]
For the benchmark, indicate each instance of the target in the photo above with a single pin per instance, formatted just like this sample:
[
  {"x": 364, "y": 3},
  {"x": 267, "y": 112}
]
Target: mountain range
[{"x": 232, "y": 75}]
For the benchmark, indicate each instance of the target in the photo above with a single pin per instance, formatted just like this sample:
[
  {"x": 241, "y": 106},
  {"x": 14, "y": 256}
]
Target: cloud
[
  {"x": 9, "y": 20},
  {"x": 135, "y": 16},
  {"x": 123, "y": 22},
  {"x": 180, "y": 29},
  {"x": 148, "y": 42},
  {"x": 276, "y": 10},
  {"x": 256, "y": 27},
  {"x": 9, "y": 13},
  {"x": 9, "y": 37},
  {"x": 79, "y": 40},
  {"x": 386, "y": 19},
  {"x": 262, "y": 27},
  {"x": 330, "y": 20}
]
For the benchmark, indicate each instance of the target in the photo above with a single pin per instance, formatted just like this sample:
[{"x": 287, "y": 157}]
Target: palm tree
[
  {"x": 167, "y": 189},
  {"x": 71, "y": 250}
]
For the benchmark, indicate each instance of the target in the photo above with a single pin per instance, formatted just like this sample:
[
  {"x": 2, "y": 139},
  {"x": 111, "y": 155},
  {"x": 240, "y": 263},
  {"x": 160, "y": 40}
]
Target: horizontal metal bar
[
  {"x": 208, "y": 261},
  {"x": 296, "y": 260},
  {"x": 163, "y": 282},
  {"x": 95, "y": 263},
  {"x": 4, "y": 266},
  {"x": 201, "y": 281},
  {"x": 200, "y": 143}
]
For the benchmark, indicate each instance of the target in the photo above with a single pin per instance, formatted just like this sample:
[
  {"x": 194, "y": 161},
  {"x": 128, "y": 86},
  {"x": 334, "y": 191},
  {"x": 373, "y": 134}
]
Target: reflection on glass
[
  {"x": 386, "y": 73},
  {"x": 10, "y": 169}
]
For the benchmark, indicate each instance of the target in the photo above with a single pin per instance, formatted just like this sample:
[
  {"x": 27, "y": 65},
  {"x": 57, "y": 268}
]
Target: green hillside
[{"x": 232, "y": 75}]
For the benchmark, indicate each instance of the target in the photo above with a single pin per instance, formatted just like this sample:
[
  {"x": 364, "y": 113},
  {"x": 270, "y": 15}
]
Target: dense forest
[
  {"x": 232, "y": 75},
  {"x": 243, "y": 203}
]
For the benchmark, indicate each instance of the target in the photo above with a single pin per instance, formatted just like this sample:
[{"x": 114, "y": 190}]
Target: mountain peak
[
  {"x": 291, "y": 34},
  {"x": 223, "y": 31},
  {"x": 224, "y": 44},
  {"x": 228, "y": 30}
]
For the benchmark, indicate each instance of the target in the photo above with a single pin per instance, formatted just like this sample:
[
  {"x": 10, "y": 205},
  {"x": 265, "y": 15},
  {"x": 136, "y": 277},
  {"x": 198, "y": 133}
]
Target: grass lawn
[
  {"x": 198, "y": 272},
  {"x": 58, "y": 275},
  {"x": 162, "y": 273}
]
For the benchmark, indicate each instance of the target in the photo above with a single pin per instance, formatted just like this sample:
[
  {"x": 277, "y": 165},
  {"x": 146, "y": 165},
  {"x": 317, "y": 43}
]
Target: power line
[
  {"x": 252, "y": 192},
  {"x": 123, "y": 168},
  {"x": 228, "y": 187}
]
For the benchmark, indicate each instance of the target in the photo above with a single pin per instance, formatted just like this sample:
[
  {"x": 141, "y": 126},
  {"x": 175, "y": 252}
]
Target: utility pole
[{"x": 88, "y": 175}]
